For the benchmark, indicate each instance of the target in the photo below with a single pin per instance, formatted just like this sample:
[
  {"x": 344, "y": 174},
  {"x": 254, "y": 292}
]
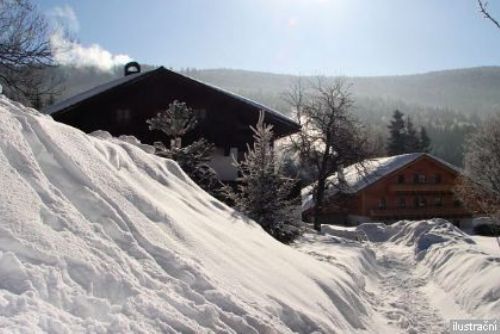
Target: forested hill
[
  {"x": 449, "y": 103},
  {"x": 471, "y": 91}
]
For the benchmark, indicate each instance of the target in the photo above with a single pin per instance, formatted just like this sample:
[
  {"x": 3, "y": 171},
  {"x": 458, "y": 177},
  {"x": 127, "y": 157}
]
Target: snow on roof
[
  {"x": 61, "y": 105},
  {"x": 360, "y": 175}
]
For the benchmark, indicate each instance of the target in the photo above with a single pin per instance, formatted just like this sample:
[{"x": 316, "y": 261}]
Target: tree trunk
[
  {"x": 320, "y": 191},
  {"x": 176, "y": 142}
]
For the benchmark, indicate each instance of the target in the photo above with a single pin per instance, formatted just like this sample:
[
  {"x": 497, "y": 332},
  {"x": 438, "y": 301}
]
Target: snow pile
[
  {"x": 456, "y": 264},
  {"x": 423, "y": 234},
  {"x": 96, "y": 235},
  {"x": 452, "y": 259}
]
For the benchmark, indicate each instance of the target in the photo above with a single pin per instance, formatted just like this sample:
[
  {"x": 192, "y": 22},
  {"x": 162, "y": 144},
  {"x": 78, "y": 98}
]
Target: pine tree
[
  {"x": 194, "y": 160},
  {"x": 411, "y": 140},
  {"x": 424, "y": 141},
  {"x": 397, "y": 134},
  {"x": 263, "y": 192}
]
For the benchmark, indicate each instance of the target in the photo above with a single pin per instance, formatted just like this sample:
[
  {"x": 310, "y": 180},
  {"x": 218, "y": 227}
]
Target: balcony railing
[
  {"x": 420, "y": 188},
  {"x": 424, "y": 212}
]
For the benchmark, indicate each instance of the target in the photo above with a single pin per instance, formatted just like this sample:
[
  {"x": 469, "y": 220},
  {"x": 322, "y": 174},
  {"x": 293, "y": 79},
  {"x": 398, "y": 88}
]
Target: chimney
[{"x": 132, "y": 68}]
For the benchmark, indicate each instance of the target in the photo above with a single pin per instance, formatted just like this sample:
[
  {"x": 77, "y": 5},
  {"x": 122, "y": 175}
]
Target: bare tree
[
  {"x": 330, "y": 138},
  {"x": 24, "y": 48},
  {"x": 483, "y": 8},
  {"x": 479, "y": 189}
]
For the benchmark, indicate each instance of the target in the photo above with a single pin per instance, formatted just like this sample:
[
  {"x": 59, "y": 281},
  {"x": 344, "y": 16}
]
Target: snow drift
[
  {"x": 451, "y": 258},
  {"x": 96, "y": 235}
]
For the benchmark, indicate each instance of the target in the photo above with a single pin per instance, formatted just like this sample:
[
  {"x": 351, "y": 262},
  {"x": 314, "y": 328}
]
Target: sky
[{"x": 308, "y": 37}]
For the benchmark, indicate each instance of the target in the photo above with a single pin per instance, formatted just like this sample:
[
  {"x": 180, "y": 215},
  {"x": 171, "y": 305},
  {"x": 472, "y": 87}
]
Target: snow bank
[
  {"x": 468, "y": 273},
  {"x": 97, "y": 235},
  {"x": 457, "y": 265}
]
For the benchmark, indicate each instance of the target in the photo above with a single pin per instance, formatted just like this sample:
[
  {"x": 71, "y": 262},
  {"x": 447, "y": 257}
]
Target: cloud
[{"x": 68, "y": 51}]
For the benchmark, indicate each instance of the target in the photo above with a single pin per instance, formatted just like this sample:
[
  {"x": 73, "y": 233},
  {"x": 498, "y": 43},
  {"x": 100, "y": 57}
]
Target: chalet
[
  {"x": 122, "y": 107},
  {"x": 409, "y": 186}
]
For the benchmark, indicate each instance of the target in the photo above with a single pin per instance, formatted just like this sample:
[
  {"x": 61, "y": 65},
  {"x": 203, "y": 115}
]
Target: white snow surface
[
  {"x": 468, "y": 272},
  {"x": 420, "y": 274},
  {"x": 98, "y": 236}
]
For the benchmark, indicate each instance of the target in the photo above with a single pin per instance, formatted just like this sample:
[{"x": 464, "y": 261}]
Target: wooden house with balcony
[{"x": 409, "y": 186}]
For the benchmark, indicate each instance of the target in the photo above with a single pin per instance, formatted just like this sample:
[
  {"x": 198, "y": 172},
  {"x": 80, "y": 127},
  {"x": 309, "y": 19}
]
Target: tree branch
[{"x": 483, "y": 9}]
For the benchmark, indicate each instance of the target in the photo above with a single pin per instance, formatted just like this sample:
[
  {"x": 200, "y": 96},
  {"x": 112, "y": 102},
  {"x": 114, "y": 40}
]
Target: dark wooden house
[
  {"x": 122, "y": 107},
  {"x": 408, "y": 186}
]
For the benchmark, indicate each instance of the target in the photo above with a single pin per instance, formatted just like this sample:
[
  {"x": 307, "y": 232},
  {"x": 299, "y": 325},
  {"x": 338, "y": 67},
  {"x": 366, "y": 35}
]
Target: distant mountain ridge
[{"x": 470, "y": 90}]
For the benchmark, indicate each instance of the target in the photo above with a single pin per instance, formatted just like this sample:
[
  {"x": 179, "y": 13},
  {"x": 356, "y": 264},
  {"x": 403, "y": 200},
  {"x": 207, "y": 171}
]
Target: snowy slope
[{"x": 99, "y": 236}]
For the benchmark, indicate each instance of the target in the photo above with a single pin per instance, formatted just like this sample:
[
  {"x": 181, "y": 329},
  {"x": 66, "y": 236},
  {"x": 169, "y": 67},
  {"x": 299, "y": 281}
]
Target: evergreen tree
[
  {"x": 424, "y": 141},
  {"x": 404, "y": 138},
  {"x": 411, "y": 140},
  {"x": 397, "y": 137},
  {"x": 194, "y": 160},
  {"x": 175, "y": 122},
  {"x": 263, "y": 193}
]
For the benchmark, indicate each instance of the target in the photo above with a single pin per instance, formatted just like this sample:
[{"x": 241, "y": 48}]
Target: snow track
[
  {"x": 401, "y": 299},
  {"x": 419, "y": 274}
]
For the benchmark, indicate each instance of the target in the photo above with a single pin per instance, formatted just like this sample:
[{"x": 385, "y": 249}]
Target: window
[
  {"x": 419, "y": 178},
  {"x": 122, "y": 115},
  {"x": 437, "y": 201},
  {"x": 402, "y": 202},
  {"x": 401, "y": 179},
  {"x": 234, "y": 153},
  {"x": 420, "y": 202},
  {"x": 231, "y": 152},
  {"x": 201, "y": 114},
  {"x": 381, "y": 203},
  {"x": 435, "y": 179}
]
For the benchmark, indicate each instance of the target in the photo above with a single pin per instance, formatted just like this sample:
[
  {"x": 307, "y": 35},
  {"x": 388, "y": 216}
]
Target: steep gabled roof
[
  {"x": 73, "y": 101},
  {"x": 361, "y": 175},
  {"x": 78, "y": 98}
]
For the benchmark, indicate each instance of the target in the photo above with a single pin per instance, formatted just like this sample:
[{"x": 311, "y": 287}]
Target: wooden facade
[
  {"x": 122, "y": 107},
  {"x": 420, "y": 189}
]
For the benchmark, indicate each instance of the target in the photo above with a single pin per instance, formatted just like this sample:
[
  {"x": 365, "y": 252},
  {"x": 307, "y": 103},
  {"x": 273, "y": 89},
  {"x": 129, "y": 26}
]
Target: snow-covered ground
[
  {"x": 99, "y": 236},
  {"x": 426, "y": 273}
]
